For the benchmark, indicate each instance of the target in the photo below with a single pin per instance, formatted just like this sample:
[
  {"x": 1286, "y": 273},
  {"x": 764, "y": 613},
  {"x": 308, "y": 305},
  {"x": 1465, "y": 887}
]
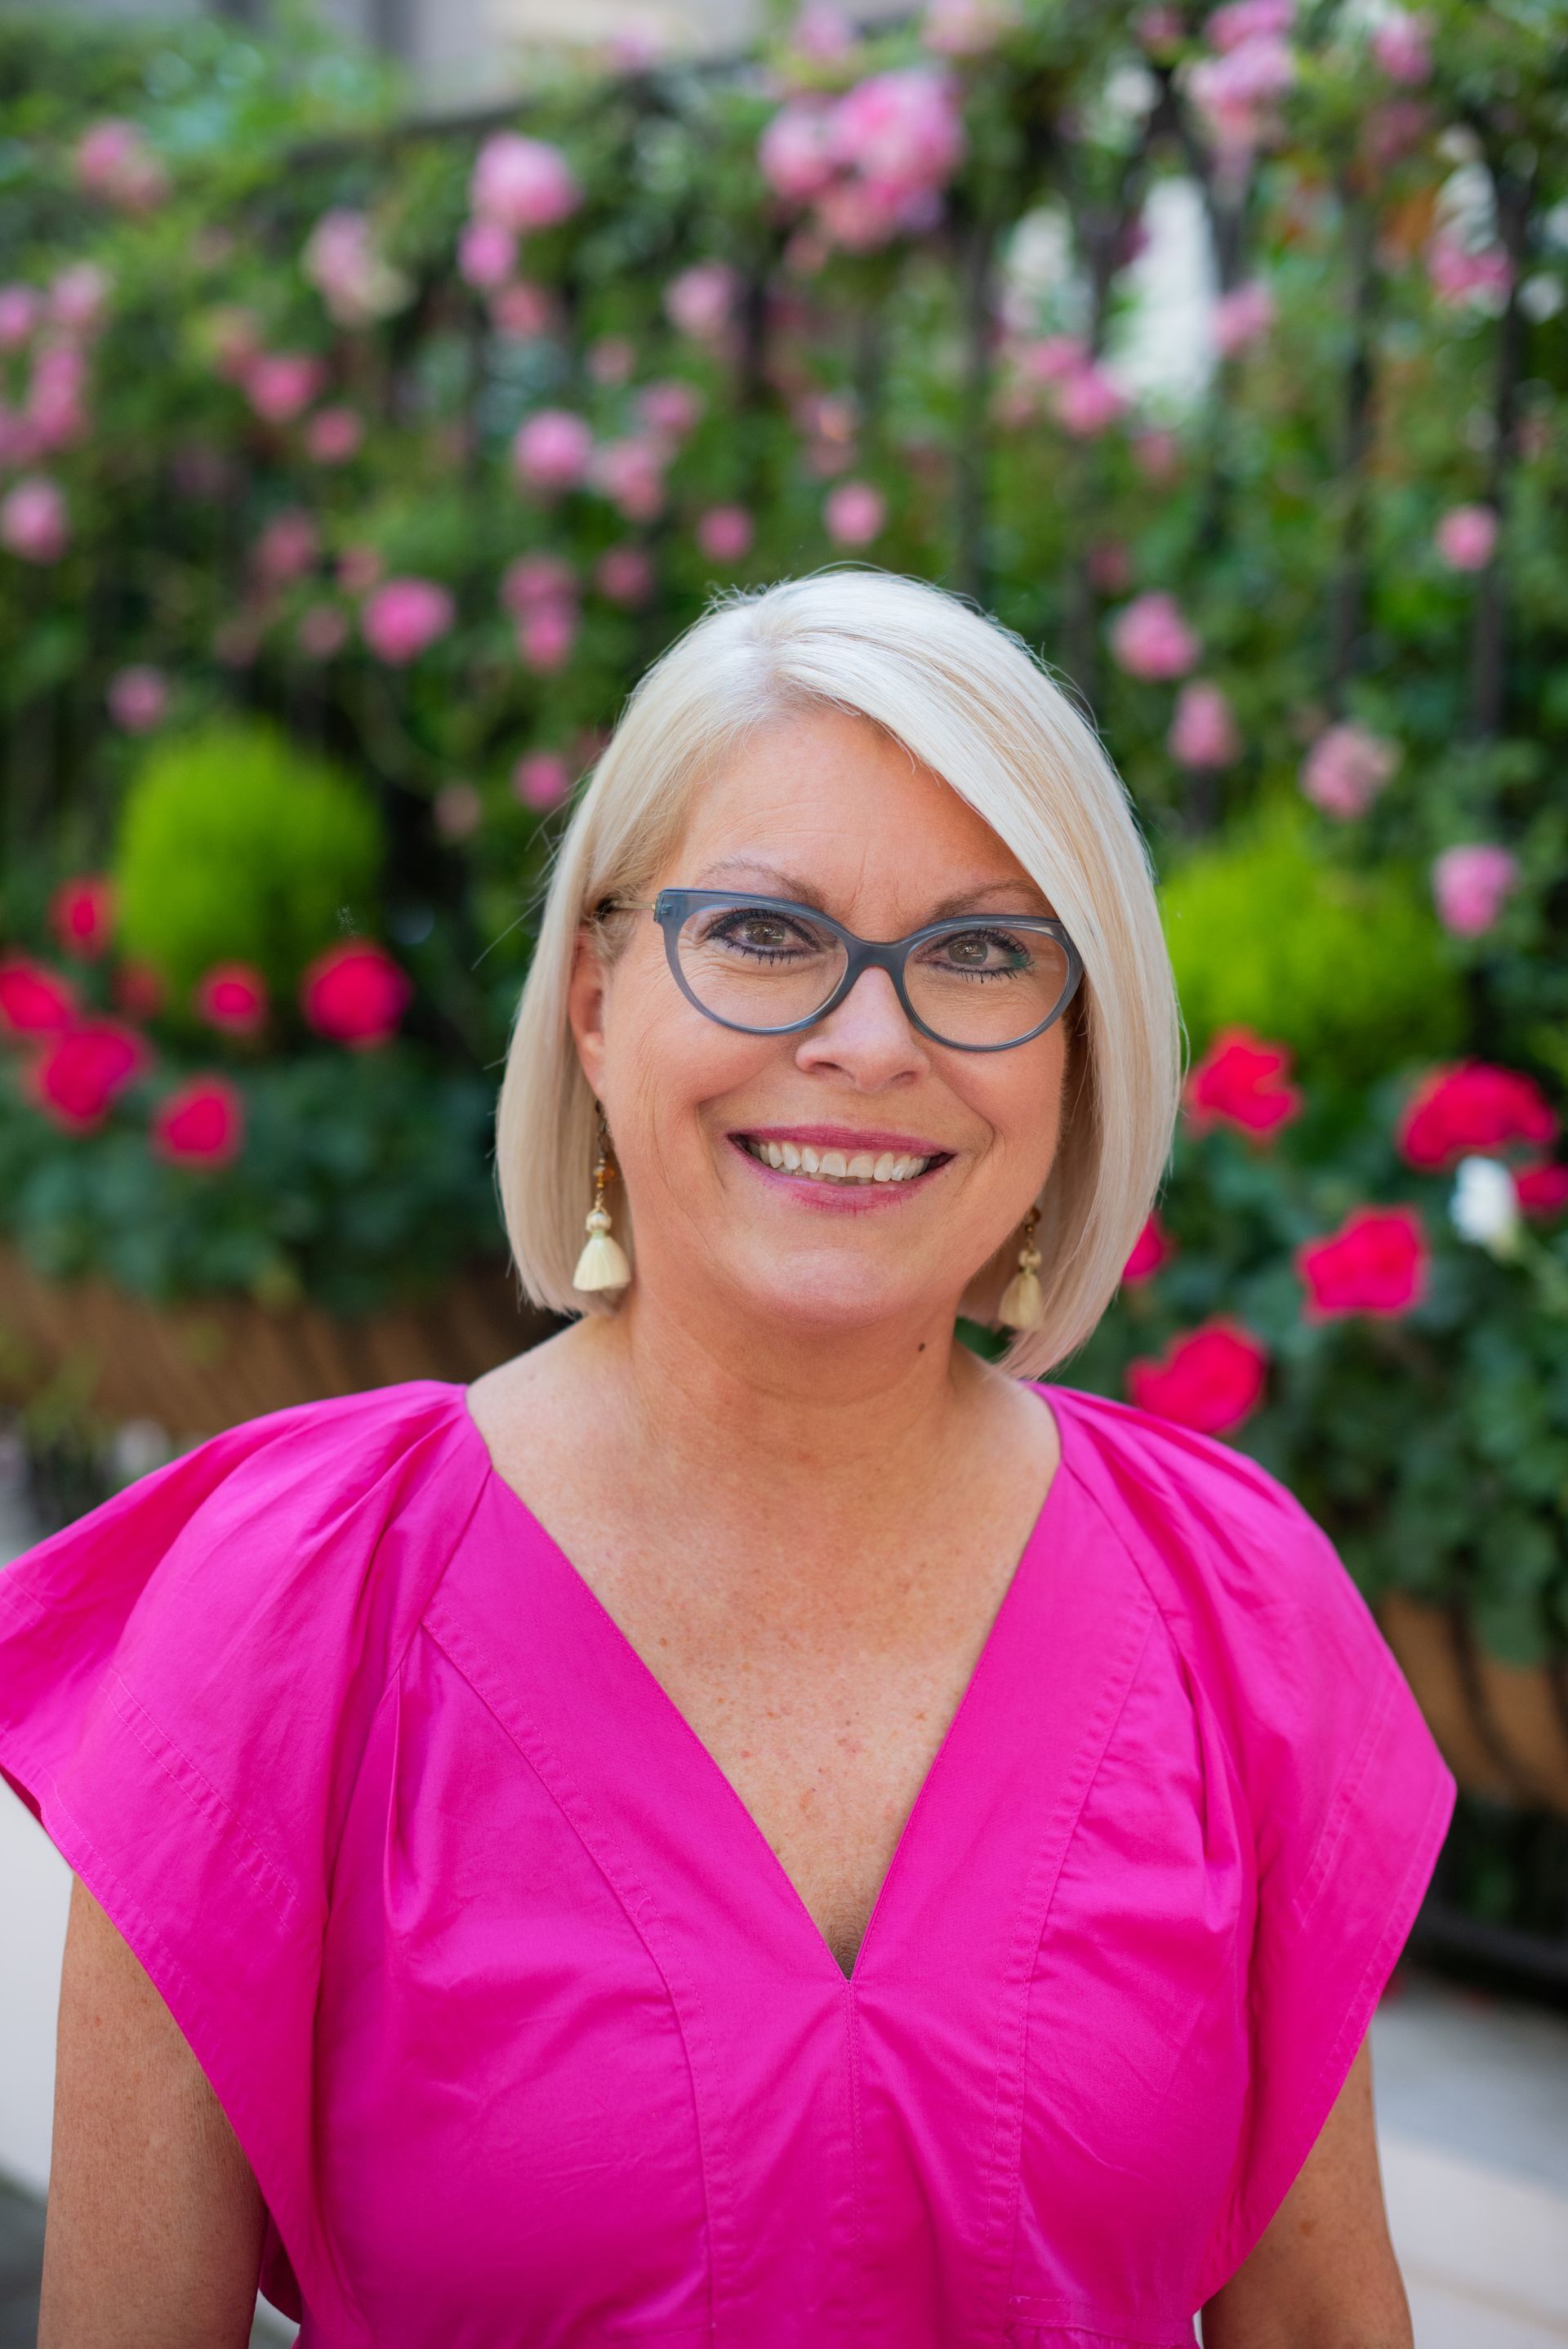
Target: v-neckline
[{"x": 1011, "y": 1603}]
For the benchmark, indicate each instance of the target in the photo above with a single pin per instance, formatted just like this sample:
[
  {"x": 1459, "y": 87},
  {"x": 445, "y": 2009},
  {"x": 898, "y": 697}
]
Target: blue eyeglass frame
[{"x": 672, "y": 907}]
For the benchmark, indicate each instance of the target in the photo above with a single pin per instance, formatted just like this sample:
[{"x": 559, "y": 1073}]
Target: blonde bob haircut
[{"x": 969, "y": 700}]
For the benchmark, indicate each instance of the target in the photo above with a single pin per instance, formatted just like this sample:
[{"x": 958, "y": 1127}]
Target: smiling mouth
[{"x": 841, "y": 1169}]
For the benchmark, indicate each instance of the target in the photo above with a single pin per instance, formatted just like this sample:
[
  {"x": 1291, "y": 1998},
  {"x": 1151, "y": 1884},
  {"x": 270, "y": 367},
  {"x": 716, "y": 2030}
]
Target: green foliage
[
  {"x": 236, "y": 845},
  {"x": 1348, "y": 968}
]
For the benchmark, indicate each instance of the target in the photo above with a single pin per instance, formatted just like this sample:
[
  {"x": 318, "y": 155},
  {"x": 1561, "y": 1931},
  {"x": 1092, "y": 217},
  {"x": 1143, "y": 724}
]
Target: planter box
[
  {"x": 1502, "y": 1728},
  {"x": 204, "y": 1365}
]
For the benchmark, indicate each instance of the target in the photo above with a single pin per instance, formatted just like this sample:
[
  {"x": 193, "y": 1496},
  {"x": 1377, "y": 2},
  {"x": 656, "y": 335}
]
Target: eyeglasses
[{"x": 981, "y": 983}]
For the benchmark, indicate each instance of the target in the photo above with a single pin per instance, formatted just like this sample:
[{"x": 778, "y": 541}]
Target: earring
[
  {"x": 602, "y": 1263},
  {"x": 1020, "y": 1306}
]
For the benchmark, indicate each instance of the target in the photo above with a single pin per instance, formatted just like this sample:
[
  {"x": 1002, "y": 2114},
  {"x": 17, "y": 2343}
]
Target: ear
[{"x": 586, "y": 994}]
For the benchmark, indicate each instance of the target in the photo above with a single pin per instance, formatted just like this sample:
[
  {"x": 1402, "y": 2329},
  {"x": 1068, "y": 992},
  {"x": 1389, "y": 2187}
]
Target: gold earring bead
[
  {"x": 602, "y": 1263},
  {"x": 1021, "y": 1300}
]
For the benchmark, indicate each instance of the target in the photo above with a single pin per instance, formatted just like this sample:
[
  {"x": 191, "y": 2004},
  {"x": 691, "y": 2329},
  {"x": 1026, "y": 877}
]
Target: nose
[{"x": 868, "y": 1038}]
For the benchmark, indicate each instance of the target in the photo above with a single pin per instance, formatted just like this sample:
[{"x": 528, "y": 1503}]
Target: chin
[{"x": 806, "y": 1293}]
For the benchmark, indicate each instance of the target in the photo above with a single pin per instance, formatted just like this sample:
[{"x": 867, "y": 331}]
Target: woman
[{"x": 749, "y": 1825}]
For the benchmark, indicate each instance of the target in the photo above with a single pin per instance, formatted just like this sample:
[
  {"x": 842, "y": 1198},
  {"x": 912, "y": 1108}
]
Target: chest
[{"x": 586, "y": 2061}]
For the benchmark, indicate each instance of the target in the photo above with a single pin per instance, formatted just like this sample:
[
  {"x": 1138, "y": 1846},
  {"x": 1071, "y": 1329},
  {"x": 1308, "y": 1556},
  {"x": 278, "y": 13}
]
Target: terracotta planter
[
  {"x": 199, "y": 1367},
  {"x": 1502, "y": 1728}
]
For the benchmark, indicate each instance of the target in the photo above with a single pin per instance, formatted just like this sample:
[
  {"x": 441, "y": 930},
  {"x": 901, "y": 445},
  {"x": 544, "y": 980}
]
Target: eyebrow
[{"x": 805, "y": 892}]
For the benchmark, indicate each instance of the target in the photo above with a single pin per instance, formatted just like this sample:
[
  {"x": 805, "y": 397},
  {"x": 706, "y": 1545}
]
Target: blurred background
[{"x": 384, "y": 384}]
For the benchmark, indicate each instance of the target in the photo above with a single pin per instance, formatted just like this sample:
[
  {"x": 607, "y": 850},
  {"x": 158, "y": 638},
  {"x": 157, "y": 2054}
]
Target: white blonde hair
[{"x": 970, "y": 701}]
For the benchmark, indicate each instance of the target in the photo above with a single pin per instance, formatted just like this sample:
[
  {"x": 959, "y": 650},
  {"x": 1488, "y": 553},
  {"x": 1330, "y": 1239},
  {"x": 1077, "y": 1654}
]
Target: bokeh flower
[
  {"x": 855, "y": 513},
  {"x": 137, "y": 698},
  {"x": 1149, "y": 639},
  {"x": 1375, "y": 1263},
  {"x": 1474, "y": 1106},
  {"x": 334, "y": 435},
  {"x": 1347, "y": 767},
  {"x": 233, "y": 997},
  {"x": 1244, "y": 1082},
  {"x": 541, "y": 779},
  {"x": 523, "y": 184},
  {"x": 1153, "y": 1249},
  {"x": 1212, "y": 1380},
  {"x": 34, "y": 521},
  {"x": 725, "y": 533},
  {"x": 81, "y": 915},
  {"x": 1470, "y": 886},
  {"x": 80, "y": 1074},
  {"x": 355, "y": 994},
  {"x": 700, "y": 301},
  {"x": 201, "y": 1124},
  {"x": 1402, "y": 44},
  {"x": 34, "y": 1000},
  {"x": 1203, "y": 731},
  {"x": 1466, "y": 537},
  {"x": 280, "y": 385},
  {"x": 626, "y": 574},
  {"x": 403, "y": 617},
  {"x": 552, "y": 451}
]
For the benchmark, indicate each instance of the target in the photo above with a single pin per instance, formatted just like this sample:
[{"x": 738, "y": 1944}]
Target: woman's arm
[
  {"x": 154, "y": 2232},
  {"x": 1323, "y": 2274}
]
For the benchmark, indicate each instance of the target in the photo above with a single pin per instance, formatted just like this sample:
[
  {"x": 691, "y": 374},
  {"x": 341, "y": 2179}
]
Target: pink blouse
[{"x": 528, "y": 2038}]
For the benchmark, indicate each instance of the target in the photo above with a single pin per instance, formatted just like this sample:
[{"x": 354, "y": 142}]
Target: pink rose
[
  {"x": 796, "y": 153},
  {"x": 551, "y": 451},
  {"x": 138, "y": 699},
  {"x": 323, "y": 632},
  {"x": 280, "y": 385},
  {"x": 631, "y": 474},
  {"x": 725, "y": 533},
  {"x": 354, "y": 279},
  {"x": 355, "y": 994},
  {"x": 1149, "y": 639},
  {"x": 545, "y": 636},
  {"x": 613, "y": 359},
  {"x": 287, "y": 548},
  {"x": 1210, "y": 1379},
  {"x": 523, "y": 184},
  {"x": 201, "y": 1124},
  {"x": 1479, "y": 280},
  {"x": 33, "y": 521},
  {"x": 855, "y": 513},
  {"x": 334, "y": 435},
  {"x": 902, "y": 128},
  {"x": 487, "y": 253},
  {"x": 521, "y": 312},
  {"x": 1157, "y": 453},
  {"x": 701, "y": 301},
  {"x": 21, "y": 307},
  {"x": 1203, "y": 731},
  {"x": 626, "y": 574},
  {"x": 1242, "y": 316},
  {"x": 1234, "y": 91},
  {"x": 1087, "y": 401},
  {"x": 1375, "y": 1263},
  {"x": 1153, "y": 1249},
  {"x": 669, "y": 409},
  {"x": 1347, "y": 767},
  {"x": 233, "y": 995},
  {"x": 1248, "y": 20},
  {"x": 403, "y": 618},
  {"x": 967, "y": 28},
  {"x": 1470, "y": 885},
  {"x": 541, "y": 779},
  {"x": 1402, "y": 44},
  {"x": 115, "y": 163},
  {"x": 1466, "y": 537},
  {"x": 536, "y": 579},
  {"x": 57, "y": 411},
  {"x": 81, "y": 915},
  {"x": 1243, "y": 1082},
  {"x": 78, "y": 295}
]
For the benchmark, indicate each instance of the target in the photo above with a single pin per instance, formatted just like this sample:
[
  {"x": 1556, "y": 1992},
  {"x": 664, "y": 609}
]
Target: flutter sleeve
[
  {"x": 1349, "y": 1801},
  {"x": 187, "y": 1678}
]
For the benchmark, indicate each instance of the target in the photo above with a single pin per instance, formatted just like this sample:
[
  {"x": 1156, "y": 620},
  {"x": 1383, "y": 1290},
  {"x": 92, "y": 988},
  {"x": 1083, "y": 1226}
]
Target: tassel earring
[
  {"x": 1020, "y": 1306},
  {"x": 602, "y": 1263}
]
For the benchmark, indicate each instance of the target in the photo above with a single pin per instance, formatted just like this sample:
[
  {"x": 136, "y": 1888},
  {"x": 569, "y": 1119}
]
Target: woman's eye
[{"x": 982, "y": 951}]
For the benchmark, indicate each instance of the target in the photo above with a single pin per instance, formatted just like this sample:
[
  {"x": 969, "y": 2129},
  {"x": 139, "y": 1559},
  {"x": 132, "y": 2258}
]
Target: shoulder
[{"x": 1270, "y": 1625}]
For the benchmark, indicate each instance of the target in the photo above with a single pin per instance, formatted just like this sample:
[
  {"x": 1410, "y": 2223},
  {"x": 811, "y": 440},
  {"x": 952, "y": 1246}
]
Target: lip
[
  {"x": 832, "y": 1198},
  {"x": 845, "y": 1137}
]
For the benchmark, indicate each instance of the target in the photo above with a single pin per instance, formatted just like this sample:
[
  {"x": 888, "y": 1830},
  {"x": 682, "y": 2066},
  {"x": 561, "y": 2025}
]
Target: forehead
[{"x": 828, "y": 796}]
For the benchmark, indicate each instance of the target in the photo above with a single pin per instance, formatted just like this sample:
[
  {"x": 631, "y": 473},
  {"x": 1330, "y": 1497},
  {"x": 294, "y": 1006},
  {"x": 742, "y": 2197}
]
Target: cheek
[{"x": 1019, "y": 1096}]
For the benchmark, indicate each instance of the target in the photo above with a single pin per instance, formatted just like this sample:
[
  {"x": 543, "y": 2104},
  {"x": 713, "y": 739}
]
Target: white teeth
[{"x": 836, "y": 1165}]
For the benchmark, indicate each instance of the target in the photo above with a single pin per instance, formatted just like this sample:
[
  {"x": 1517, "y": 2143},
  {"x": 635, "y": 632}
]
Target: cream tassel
[
  {"x": 1021, "y": 1300},
  {"x": 602, "y": 1263}
]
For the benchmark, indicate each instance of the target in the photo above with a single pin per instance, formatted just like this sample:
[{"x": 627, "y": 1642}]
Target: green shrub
[
  {"x": 1350, "y": 969},
  {"x": 236, "y": 845}
]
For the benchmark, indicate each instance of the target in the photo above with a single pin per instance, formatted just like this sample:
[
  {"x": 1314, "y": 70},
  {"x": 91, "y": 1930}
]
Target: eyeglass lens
[{"x": 760, "y": 968}]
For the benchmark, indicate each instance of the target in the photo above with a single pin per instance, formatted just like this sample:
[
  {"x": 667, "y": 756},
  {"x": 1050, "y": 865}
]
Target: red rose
[
  {"x": 81, "y": 915},
  {"x": 201, "y": 1124},
  {"x": 1375, "y": 1263},
  {"x": 1542, "y": 1190},
  {"x": 233, "y": 995},
  {"x": 75, "y": 1078},
  {"x": 1153, "y": 1248},
  {"x": 1473, "y": 1107},
  {"x": 355, "y": 994},
  {"x": 1242, "y": 1080},
  {"x": 1210, "y": 1379},
  {"x": 33, "y": 1001}
]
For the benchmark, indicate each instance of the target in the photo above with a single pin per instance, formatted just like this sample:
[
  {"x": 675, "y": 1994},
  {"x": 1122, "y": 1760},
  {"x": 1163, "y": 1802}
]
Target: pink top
[{"x": 524, "y": 2031}]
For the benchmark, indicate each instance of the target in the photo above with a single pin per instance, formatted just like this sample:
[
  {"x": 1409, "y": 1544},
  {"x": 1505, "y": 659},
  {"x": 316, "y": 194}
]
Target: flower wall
[{"x": 352, "y": 469}]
